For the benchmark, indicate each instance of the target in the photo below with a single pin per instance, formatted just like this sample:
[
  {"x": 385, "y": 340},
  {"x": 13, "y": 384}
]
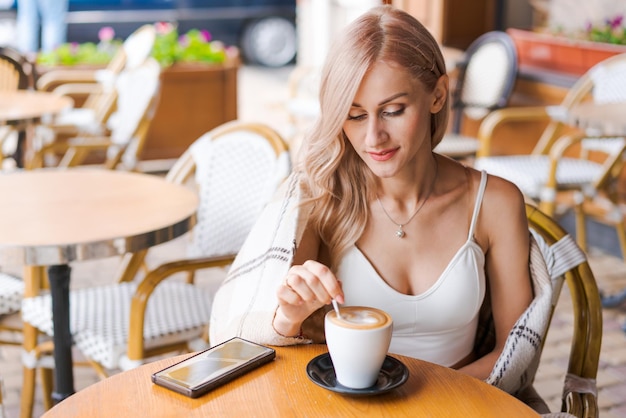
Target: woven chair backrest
[
  {"x": 487, "y": 76},
  {"x": 237, "y": 173},
  {"x": 138, "y": 45},
  {"x": 12, "y": 73},
  {"x": 137, "y": 90}
]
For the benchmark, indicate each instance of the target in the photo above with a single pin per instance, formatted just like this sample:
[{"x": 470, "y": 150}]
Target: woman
[{"x": 372, "y": 216}]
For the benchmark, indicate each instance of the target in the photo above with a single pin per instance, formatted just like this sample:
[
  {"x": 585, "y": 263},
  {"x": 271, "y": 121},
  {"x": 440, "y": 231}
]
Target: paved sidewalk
[{"x": 262, "y": 93}]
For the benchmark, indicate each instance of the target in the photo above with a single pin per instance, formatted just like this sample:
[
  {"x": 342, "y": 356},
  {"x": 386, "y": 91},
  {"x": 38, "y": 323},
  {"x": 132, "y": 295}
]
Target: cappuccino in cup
[
  {"x": 358, "y": 343},
  {"x": 360, "y": 317}
]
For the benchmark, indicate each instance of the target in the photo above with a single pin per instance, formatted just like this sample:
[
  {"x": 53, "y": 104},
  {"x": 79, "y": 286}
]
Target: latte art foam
[{"x": 360, "y": 317}]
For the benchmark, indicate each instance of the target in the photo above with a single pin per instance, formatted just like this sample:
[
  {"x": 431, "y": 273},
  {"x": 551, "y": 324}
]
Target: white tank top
[{"x": 438, "y": 325}]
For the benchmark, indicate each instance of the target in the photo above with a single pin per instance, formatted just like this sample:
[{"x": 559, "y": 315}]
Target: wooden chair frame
[{"x": 580, "y": 394}]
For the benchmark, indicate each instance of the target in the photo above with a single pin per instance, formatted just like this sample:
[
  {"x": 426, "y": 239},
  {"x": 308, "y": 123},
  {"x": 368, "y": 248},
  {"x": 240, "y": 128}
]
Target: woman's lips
[{"x": 383, "y": 155}]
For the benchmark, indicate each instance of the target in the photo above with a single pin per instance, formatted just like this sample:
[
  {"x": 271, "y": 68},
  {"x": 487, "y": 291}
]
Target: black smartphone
[{"x": 213, "y": 367}]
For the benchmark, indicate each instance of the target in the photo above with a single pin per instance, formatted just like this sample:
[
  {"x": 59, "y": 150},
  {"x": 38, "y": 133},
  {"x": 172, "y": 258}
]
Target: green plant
[
  {"x": 75, "y": 54},
  {"x": 611, "y": 31},
  {"x": 194, "y": 46},
  {"x": 169, "y": 48}
]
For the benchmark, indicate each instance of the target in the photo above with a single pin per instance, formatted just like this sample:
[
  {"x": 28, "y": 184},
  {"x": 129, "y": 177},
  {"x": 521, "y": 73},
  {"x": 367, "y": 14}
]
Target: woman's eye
[
  {"x": 356, "y": 117},
  {"x": 392, "y": 113}
]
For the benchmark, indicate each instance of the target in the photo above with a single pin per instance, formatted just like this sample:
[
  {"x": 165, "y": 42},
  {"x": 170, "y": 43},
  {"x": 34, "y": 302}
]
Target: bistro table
[
  {"x": 22, "y": 108},
  {"x": 283, "y": 389},
  {"x": 51, "y": 217}
]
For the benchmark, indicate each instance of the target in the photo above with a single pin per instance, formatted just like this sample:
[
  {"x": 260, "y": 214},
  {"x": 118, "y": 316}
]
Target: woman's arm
[{"x": 504, "y": 229}]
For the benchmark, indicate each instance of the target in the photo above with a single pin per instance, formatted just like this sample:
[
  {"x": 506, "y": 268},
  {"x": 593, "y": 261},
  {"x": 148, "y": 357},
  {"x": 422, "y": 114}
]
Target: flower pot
[
  {"x": 194, "y": 98},
  {"x": 556, "y": 53}
]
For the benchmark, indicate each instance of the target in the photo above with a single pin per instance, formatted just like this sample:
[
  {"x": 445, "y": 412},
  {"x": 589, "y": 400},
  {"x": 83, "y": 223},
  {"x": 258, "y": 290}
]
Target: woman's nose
[{"x": 375, "y": 134}]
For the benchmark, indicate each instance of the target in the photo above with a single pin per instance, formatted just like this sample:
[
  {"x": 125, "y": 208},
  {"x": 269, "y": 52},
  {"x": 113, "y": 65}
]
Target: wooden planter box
[
  {"x": 194, "y": 98},
  {"x": 560, "y": 54}
]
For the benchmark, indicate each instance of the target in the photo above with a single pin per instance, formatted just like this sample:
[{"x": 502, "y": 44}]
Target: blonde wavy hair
[{"x": 338, "y": 183}]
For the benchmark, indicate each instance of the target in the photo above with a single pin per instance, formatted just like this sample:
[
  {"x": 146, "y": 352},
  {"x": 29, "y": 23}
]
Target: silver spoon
[{"x": 336, "y": 306}]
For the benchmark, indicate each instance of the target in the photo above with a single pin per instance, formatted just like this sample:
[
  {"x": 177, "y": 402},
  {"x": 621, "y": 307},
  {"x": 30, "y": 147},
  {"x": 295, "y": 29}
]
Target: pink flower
[
  {"x": 206, "y": 35},
  {"x": 163, "y": 28},
  {"x": 106, "y": 34},
  {"x": 616, "y": 22}
]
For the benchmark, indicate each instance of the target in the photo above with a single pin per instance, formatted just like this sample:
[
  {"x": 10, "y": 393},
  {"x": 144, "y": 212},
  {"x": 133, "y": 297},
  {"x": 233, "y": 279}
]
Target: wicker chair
[
  {"x": 235, "y": 167},
  {"x": 485, "y": 82},
  {"x": 554, "y": 168},
  {"x": 136, "y": 92},
  {"x": 567, "y": 263},
  {"x": 95, "y": 88}
]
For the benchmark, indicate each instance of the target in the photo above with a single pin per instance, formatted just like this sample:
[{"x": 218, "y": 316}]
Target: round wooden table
[
  {"x": 283, "y": 389},
  {"x": 23, "y": 108},
  {"x": 51, "y": 217},
  {"x": 23, "y": 105}
]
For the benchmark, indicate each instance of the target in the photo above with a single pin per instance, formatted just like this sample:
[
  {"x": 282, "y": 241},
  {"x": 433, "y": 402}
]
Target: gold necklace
[{"x": 400, "y": 232}]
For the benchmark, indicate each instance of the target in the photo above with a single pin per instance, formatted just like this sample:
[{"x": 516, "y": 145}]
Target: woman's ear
[{"x": 440, "y": 94}]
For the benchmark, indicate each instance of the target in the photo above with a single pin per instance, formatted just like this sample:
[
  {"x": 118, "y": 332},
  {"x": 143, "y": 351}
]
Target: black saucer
[{"x": 393, "y": 374}]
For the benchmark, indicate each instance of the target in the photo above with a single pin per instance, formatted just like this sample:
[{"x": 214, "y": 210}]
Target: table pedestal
[{"x": 59, "y": 277}]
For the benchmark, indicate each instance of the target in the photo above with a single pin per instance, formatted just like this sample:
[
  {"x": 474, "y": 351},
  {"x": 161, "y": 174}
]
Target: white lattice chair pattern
[
  {"x": 11, "y": 294},
  {"x": 486, "y": 77},
  {"x": 244, "y": 173},
  {"x": 551, "y": 167},
  {"x": 100, "y": 316},
  {"x": 11, "y": 291},
  {"x": 236, "y": 168}
]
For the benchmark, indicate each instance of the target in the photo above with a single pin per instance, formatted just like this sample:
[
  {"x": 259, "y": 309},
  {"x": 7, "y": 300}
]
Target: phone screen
[{"x": 213, "y": 363}]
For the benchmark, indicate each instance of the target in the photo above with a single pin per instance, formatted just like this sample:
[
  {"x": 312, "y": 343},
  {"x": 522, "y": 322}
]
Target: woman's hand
[{"x": 306, "y": 288}]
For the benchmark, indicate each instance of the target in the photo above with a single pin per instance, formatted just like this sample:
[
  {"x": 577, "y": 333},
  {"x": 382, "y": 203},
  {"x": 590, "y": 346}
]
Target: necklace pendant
[{"x": 400, "y": 233}]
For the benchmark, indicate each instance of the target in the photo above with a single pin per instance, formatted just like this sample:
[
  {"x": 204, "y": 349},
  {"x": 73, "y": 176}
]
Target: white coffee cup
[{"x": 358, "y": 343}]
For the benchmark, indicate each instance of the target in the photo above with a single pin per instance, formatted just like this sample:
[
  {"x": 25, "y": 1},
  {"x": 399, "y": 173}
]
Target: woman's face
[{"x": 389, "y": 121}]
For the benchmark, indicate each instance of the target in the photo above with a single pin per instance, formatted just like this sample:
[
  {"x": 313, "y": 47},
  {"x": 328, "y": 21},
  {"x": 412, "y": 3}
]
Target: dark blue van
[{"x": 264, "y": 30}]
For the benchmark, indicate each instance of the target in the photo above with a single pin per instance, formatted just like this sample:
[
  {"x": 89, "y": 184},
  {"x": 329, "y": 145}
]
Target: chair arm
[
  {"x": 77, "y": 89},
  {"x": 78, "y": 148},
  {"x": 548, "y": 192},
  {"x": 139, "y": 302},
  {"x": 74, "y": 150},
  {"x": 567, "y": 141},
  {"x": 90, "y": 142},
  {"x": 51, "y": 79},
  {"x": 506, "y": 115}
]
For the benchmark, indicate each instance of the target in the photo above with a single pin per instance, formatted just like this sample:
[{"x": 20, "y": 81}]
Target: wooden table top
[
  {"x": 606, "y": 118},
  {"x": 283, "y": 389},
  {"x": 21, "y": 105},
  {"x": 52, "y": 216}
]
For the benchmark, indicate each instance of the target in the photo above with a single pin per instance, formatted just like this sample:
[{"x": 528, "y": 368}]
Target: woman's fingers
[
  {"x": 331, "y": 285},
  {"x": 313, "y": 281},
  {"x": 286, "y": 294}
]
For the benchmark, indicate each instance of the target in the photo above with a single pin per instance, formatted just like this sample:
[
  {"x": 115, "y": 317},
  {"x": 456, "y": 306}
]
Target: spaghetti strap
[{"x": 479, "y": 201}]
